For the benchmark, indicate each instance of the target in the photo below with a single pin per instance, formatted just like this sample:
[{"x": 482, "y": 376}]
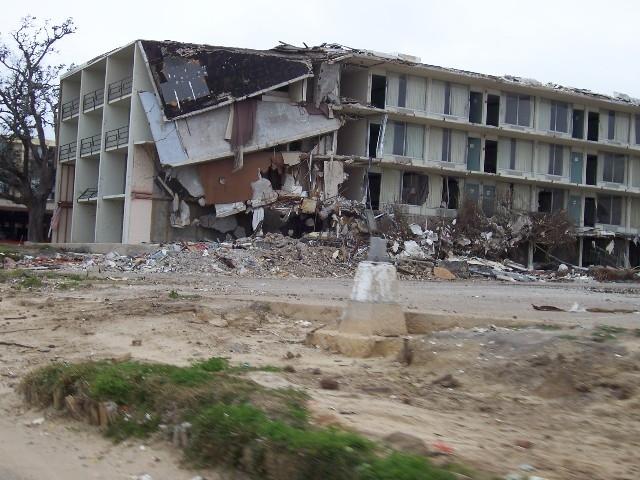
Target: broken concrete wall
[
  {"x": 352, "y": 138},
  {"x": 354, "y": 187},
  {"x": 222, "y": 184},
  {"x": 201, "y": 137}
]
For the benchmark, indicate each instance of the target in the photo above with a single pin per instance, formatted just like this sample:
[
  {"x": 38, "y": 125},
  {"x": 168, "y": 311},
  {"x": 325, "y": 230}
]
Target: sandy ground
[{"x": 549, "y": 398}]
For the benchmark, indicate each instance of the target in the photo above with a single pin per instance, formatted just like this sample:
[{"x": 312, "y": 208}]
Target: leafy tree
[{"x": 28, "y": 110}]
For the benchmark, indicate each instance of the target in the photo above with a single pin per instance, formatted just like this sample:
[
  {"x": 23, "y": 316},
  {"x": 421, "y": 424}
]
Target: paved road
[{"x": 491, "y": 299}]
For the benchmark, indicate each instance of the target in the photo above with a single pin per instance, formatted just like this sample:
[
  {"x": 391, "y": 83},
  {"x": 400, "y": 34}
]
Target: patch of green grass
[
  {"x": 602, "y": 333},
  {"x": 30, "y": 281},
  {"x": 548, "y": 326},
  {"x": 173, "y": 295},
  {"x": 235, "y": 422},
  {"x": 568, "y": 337},
  {"x": 398, "y": 466}
]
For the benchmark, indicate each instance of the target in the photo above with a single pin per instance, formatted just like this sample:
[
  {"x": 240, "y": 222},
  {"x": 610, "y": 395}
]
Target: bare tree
[{"x": 28, "y": 106}]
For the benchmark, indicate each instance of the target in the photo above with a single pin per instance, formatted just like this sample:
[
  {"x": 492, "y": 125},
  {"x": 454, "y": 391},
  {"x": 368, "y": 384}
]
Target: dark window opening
[
  {"x": 544, "y": 201},
  {"x": 556, "y": 152},
  {"x": 295, "y": 146},
  {"x": 638, "y": 129},
  {"x": 378, "y": 90},
  {"x": 402, "y": 91},
  {"x": 609, "y": 210},
  {"x": 611, "y": 125},
  {"x": 475, "y": 107},
  {"x": 589, "y": 212},
  {"x": 284, "y": 88},
  {"x": 593, "y": 126},
  {"x": 373, "y": 192},
  {"x": 550, "y": 201},
  {"x": 490, "y": 156},
  {"x": 450, "y": 193},
  {"x": 493, "y": 110},
  {"x": 447, "y": 98},
  {"x": 592, "y": 170},
  {"x": 374, "y": 138},
  {"x": 446, "y": 145},
  {"x": 578, "y": 124},
  {"x": 415, "y": 188}
]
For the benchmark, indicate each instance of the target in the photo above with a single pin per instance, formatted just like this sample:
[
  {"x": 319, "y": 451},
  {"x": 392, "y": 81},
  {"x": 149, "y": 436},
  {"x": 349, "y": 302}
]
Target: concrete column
[
  {"x": 530, "y": 255},
  {"x": 627, "y": 245},
  {"x": 580, "y": 246}
]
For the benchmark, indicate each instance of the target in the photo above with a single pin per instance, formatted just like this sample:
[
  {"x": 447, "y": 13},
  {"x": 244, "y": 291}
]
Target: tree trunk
[{"x": 37, "y": 228}]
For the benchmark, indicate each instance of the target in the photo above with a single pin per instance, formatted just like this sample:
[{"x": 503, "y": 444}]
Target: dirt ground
[{"x": 558, "y": 398}]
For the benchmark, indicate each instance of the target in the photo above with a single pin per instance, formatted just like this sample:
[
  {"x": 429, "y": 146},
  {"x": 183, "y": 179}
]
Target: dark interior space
[
  {"x": 592, "y": 169},
  {"x": 374, "y": 135},
  {"x": 13, "y": 225},
  {"x": 543, "y": 257},
  {"x": 450, "y": 192},
  {"x": 490, "y": 156},
  {"x": 544, "y": 201},
  {"x": 578, "y": 124},
  {"x": 475, "y": 107},
  {"x": 378, "y": 90},
  {"x": 589, "y": 212},
  {"x": 493, "y": 110},
  {"x": 594, "y": 252},
  {"x": 634, "y": 254},
  {"x": 593, "y": 126},
  {"x": 373, "y": 192}
]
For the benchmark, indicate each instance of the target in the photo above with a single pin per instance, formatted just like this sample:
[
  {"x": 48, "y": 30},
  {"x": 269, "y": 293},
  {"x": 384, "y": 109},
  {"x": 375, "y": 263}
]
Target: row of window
[
  {"x": 601, "y": 209},
  {"x": 454, "y": 146},
  {"x": 519, "y": 110}
]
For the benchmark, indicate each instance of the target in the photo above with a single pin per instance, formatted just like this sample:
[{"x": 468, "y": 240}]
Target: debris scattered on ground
[{"x": 316, "y": 254}]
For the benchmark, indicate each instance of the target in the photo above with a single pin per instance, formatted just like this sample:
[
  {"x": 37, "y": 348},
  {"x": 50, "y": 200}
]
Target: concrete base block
[
  {"x": 366, "y": 318},
  {"x": 360, "y": 346}
]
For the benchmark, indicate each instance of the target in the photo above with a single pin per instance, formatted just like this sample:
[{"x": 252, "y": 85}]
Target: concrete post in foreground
[{"x": 372, "y": 323}]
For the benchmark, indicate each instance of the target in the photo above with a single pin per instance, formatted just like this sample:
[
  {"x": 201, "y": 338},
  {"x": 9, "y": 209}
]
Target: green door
[
  {"x": 576, "y": 167},
  {"x": 574, "y": 209},
  {"x": 473, "y": 154}
]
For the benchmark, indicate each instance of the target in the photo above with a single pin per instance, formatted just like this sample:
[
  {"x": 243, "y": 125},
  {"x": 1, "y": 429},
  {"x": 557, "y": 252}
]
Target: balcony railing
[
  {"x": 120, "y": 88},
  {"x": 88, "y": 194},
  {"x": 70, "y": 108},
  {"x": 93, "y": 100},
  {"x": 90, "y": 145},
  {"x": 68, "y": 151},
  {"x": 116, "y": 138}
]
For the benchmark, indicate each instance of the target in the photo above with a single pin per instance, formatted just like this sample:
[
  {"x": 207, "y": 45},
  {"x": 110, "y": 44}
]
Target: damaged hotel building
[{"x": 166, "y": 141}]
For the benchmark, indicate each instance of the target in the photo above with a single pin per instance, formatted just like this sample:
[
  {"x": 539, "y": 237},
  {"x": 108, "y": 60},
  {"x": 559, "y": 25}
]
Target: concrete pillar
[
  {"x": 627, "y": 245},
  {"x": 373, "y": 309},
  {"x": 530, "y": 255},
  {"x": 580, "y": 247}
]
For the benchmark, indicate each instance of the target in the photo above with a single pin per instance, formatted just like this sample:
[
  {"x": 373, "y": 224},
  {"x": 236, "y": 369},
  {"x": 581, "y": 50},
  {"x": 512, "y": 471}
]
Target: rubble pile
[{"x": 318, "y": 254}]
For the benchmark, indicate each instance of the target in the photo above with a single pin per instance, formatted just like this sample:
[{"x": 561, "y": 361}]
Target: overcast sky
[{"x": 582, "y": 43}]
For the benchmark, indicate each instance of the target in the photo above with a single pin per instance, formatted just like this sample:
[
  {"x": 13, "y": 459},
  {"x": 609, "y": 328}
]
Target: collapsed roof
[{"x": 192, "y": 77}]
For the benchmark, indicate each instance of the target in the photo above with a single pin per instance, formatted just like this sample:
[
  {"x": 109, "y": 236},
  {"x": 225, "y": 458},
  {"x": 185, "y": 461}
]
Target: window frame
[
  {"x": 607, "y": 201},
  {"x": 404, "y": 197},
  {"x": 519, "y": 98},
  {"x": 614, "y": 164},
  {"x": 553, "y": 160},
  {"x": 553, "y": 117}
]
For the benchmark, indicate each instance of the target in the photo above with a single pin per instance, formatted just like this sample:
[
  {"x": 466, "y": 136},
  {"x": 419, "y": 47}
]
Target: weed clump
[{"x": 232, "y": 421}]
